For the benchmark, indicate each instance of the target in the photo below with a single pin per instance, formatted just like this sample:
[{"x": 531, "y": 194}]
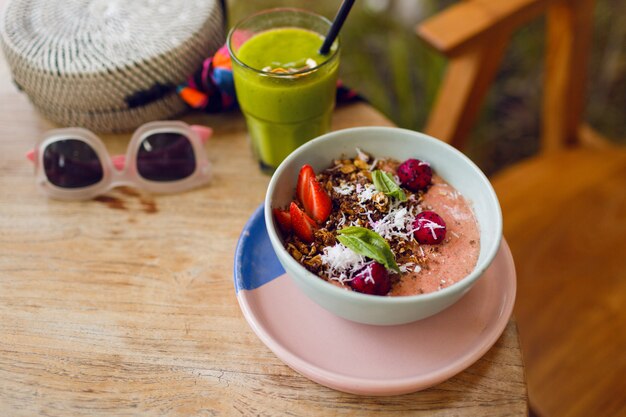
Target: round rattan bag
[{"x": 108, "y": 65}]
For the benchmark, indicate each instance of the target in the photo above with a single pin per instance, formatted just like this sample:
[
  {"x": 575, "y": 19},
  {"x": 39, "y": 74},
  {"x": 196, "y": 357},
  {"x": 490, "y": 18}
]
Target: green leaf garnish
[
  {"x": 383, "y": 181},
  {"x": 368, "y": 243}
]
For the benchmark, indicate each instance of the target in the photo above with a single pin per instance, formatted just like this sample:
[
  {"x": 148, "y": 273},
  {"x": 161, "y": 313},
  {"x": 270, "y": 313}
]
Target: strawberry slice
[
  {"x": 283, "y": 218},
  {"x": 303, "y": 225},
  {"x": 317, "y": 202},
  {"x": 304, "y": 177}
]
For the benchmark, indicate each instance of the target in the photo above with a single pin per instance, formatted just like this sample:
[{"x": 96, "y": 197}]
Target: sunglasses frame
[{"x": 128, "y": 175}]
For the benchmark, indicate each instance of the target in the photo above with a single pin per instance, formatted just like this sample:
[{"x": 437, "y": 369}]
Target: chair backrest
[{"x": 474, "y": 35}]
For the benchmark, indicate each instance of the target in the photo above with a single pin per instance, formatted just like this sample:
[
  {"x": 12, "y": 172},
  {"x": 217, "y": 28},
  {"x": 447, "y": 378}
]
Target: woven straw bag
[{"x": 108, "y": 65}]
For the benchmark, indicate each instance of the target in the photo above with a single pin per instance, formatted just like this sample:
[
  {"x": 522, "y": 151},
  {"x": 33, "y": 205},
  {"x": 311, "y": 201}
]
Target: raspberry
[
  {"x": 429, "y": 228},
  {"x": 373, "y": 279},
  {"x": 415, "y": 175}
]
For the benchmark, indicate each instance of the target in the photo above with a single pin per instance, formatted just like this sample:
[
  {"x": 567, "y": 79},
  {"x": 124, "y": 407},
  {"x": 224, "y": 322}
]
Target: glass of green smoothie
[{"x": 285, "y": 88}]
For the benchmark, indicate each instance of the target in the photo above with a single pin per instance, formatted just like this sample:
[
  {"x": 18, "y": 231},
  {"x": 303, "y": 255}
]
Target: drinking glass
[{"x": 289, "y": 103}]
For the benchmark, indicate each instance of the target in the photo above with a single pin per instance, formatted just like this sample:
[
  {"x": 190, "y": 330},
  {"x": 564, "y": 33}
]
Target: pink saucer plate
[{"x": 366, "y": 359}]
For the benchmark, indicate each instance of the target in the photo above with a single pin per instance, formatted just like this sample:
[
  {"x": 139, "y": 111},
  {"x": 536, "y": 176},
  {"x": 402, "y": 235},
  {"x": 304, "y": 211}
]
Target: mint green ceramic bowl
[{"x": 399, "y": 144}]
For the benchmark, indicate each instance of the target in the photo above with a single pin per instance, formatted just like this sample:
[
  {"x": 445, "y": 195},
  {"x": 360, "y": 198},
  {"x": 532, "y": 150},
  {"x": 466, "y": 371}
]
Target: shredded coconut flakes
[
  {"x": 341, "y": 263},
  {"x": 398, "y": 222},
  {"x": 344, "y": 189},
  {"x": 365, "y": 193},
  {"x": 362, "y": 155}
]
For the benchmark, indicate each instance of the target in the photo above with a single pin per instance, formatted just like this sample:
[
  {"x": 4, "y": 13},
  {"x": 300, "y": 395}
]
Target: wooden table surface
[{"x": 125, "y": 305}]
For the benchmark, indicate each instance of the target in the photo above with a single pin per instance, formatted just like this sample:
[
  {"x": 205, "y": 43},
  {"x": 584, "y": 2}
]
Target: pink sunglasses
[{"x": 162, "y": 157}]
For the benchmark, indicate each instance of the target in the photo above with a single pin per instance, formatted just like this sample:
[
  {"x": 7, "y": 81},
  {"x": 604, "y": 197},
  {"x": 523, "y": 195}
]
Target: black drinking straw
[{"x": 336, "y": 26}]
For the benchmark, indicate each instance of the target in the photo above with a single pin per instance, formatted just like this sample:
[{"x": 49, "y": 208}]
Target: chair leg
[
  {"x": 569, "y": 27},
  {"x": 467, "y": 80}
]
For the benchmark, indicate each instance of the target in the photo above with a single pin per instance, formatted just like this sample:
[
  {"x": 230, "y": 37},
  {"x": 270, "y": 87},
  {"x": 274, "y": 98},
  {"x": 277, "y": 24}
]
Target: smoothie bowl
[{"x": 382, "y": 225}]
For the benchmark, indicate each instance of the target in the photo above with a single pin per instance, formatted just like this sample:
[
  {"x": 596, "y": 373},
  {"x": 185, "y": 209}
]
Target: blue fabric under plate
[{"x": 256, "y": 263}]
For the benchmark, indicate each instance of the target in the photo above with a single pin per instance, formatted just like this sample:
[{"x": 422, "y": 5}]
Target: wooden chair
[{"x": 564, "y": 209}]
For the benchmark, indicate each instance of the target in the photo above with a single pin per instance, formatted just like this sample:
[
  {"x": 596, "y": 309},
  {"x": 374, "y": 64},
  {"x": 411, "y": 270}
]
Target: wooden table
[{"x": 125, "y": 305}]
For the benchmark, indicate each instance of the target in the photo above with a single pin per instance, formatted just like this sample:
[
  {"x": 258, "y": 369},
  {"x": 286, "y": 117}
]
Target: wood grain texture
[
  {"x": 565, "y": 219},
  {"x": 125, "y": 305}
]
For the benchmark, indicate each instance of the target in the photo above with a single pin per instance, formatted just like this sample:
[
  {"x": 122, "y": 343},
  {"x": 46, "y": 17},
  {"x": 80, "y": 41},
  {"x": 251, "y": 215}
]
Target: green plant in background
[
  {"x": 391, "y": 66},
  {"x": 387, "y": 64}
]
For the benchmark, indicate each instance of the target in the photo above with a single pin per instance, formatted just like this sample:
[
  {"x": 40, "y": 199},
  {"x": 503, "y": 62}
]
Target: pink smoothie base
[
  {"x": 457, "y": 256},
  {"x": 382, "y": 360}
]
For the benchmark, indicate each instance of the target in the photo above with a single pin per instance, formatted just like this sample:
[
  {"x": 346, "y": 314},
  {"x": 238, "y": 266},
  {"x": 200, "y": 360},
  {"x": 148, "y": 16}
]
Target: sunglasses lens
[
  {"x": 72, "y": 163},
  {"x": 166, "y": 157}
]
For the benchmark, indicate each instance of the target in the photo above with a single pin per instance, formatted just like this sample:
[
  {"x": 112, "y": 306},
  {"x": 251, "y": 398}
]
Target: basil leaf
[
  {"x": 384, "y": 182},
  {"x": 370, "y": 244}
]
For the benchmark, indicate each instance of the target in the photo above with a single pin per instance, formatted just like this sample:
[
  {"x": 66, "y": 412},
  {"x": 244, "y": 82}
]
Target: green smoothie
[{"x": 286, "y": 90}]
